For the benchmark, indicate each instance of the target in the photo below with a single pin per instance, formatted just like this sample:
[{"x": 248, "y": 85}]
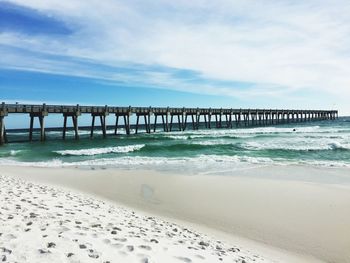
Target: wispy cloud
[{"x": 271, "y": 48}]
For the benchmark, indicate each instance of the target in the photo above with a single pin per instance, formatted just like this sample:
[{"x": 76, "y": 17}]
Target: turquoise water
[{"x": 325, "y": 143}]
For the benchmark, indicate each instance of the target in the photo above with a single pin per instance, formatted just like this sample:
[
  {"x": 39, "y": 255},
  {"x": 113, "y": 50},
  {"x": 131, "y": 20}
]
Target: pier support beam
[
  {"x": 228, "y": 119},
  {"x": 266, "y": 118},
  {"x": 238, "y": 119},
  {"x": 220, "y": 120},
  {"x": 147, "y": 122},
  {"x": 74, "y": 117},
  {"x": 260, "y": 119},
  {"x": 155, "y": 122},
  {"x": 171, "y": 122},
  {"x": 127, "y": 124},
  {"x": 137, "y": 124},
  {"x": 198, "y": 119},
  {"x": 245, "y": 117},
  {"x": 126, "y": 118},
  {"x": 3, "y": 113},
  {"x": 209, "y": 120},
  {"x": 102, "y": 116},
  {"x": 178, "y": 121},
  {"x": 194, "y": 125},
  {"x": 2, "y": 130},
  {"x": 41, "y": 116},
  {"x": 184, "y": 121},
  {"x": 165, "y": 122},
  {"x": 205, "y": 121}
]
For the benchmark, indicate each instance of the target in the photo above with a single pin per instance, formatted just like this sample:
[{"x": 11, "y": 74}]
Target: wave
[
  {"x": 10, "y": 153},
  {"x": 260, "y": 130},
  {"x": 141, "y": 161},
  {"x": 339, "y": 146},
  {"x": 200, "y": 163},
  {"x": 98, "y": 151},
  {"x": 15, "y": 152},
  {"x": 248, "y": 133},
  {"x": 294, "y": 145},
  {"x": 210, "y": 136}
]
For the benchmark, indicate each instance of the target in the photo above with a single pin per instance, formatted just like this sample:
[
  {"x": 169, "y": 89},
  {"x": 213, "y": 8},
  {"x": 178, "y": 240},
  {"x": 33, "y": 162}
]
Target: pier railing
[{"x": 223, "y": 117}]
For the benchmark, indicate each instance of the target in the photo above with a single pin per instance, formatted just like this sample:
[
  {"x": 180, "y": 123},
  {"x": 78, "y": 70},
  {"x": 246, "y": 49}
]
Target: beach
[
  {"x": 45, "y": 224},
  {"x": 279, "y": 194},
  {"x": 41, "y": 223},
  {"x": 292, "y": 219}
]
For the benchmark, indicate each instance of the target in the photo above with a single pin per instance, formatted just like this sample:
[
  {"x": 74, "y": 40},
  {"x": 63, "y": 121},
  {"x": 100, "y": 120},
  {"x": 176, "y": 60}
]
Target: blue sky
[{"x": 249, "y": 54}]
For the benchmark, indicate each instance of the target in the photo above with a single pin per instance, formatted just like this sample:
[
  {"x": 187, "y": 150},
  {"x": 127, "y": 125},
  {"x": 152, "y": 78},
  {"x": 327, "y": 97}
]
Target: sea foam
[
  {"x": 199, "y": 163},
  {"x": 98, "y": 151}
]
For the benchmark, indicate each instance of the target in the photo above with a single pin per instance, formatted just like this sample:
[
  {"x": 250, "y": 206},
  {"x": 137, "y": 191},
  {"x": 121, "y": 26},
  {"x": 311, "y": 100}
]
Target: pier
[{"x": 170, "y": 119}]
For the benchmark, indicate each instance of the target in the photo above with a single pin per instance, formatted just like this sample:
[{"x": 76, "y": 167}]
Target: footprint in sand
[
  {"x": 120, "y": 239},
  {"x": 145, "y": 247},
  {"x": 51, "y": 245},
  {"x": 184, "y": 259},
  {"x": 145, "y": 260},
  {"x": 93, "y": 254},
  {"x": 130, "y": 248},
  {"x": 82, "y": 246}
]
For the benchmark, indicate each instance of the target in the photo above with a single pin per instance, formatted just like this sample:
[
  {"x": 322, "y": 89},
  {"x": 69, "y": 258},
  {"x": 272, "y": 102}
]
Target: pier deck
[{"x": 220, "y": 117}]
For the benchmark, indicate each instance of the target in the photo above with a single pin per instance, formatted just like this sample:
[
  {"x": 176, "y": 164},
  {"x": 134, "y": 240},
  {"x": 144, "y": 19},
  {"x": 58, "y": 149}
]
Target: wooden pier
[{"x": 171, "y": 118}]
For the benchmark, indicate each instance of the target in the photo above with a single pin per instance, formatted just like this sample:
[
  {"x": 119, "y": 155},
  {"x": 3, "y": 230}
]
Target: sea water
[{"x": 321, "y": 144}]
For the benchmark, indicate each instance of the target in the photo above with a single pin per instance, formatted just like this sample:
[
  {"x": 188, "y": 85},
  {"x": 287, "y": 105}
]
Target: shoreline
[{"x": 152, "y": 192}]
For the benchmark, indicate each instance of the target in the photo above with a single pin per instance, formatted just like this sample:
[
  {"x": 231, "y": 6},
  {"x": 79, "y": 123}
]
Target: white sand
[
  {"x": 43, "y": 224},
  {"x": 303, "y": 217}
]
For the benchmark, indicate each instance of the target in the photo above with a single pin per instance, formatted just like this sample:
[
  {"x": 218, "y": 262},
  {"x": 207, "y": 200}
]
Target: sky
[{"x": 198, "y": 53}]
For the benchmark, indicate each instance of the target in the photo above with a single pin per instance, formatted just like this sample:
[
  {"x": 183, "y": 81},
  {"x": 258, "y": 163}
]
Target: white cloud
[{"x": 292, "y": 45}]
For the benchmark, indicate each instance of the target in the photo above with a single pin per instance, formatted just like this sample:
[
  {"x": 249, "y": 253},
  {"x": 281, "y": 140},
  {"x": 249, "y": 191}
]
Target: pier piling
[
  {"x": 41, "y": 117},
  {"x": 2, "y": 130},
  {"x": 102, "y": 117},
  {"x": 74, "y": 117},
  {"x": 3, "y": 113}
]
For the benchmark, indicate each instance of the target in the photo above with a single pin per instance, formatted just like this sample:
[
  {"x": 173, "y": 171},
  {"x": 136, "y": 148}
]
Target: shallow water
[{"x": 325, "y": 143}]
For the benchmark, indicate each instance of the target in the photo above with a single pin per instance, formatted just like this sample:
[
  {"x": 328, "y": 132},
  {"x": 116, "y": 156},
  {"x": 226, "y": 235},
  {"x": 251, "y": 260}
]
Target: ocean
[{"x": 321, "y": 144}]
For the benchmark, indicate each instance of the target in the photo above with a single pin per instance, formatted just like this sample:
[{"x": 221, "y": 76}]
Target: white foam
[
  {"x": 297, "y": 144},
  {"x": 212, "y": 142},
  {"x": 178, "y": 137},
  {"x": 338, "y": 145},
  {"x": 14, "y": 152},
  {"x": 253, "y": 132},
  {"x": 199, "y": 163},
  {"x": 97, "y": 151}
]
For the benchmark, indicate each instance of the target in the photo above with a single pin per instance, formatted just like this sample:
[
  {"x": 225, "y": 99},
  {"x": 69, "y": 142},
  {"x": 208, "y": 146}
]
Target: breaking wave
[{"x": 98, "y": 151}]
